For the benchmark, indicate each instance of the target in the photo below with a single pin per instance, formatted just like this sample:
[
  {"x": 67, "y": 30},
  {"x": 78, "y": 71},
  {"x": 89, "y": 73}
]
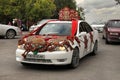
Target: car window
[
  {"x": 85, "y": 27},
  {"x": 88, "y": 27},
  {"x": 82, "y": 28},
  {"x": 56, "y": 28},
  {"x": 114, "y": 24}
]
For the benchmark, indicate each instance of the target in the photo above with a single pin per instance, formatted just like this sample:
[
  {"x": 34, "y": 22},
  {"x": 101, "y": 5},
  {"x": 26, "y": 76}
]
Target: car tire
[
  {"x": 106, "y": 41},
  {"x": 95, "y": 48},
  {"x": 25, "y": 64},
  {"x": 75, "y": 59},
  {"x": 10, "y": 34},
  {"x": 103, "y": 37}
]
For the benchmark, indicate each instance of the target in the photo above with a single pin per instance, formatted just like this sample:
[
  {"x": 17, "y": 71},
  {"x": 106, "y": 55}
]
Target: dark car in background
[{"x": 111, "y": 31}]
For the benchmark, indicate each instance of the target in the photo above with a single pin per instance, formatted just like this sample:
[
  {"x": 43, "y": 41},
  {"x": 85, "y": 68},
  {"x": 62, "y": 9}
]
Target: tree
[
  {"x": 81, "y": 13},
  {"x": 26, "y": 9},
  {"x": 7, "y": 10},
  {"x": 39, "y": 9},
  {"x": 63, "y": 3},
  {"x": 117, "y": 2}
]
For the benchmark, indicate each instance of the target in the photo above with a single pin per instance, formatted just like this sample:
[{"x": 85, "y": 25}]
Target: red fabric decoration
[
  {"x": 74, "y": 27},
  {"x": 68, "y": 14},
  {"x": 85, "y": 42},
  {"x": 91, "y": 36}
]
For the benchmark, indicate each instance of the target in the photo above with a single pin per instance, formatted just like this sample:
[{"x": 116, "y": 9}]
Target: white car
[
  {"x": 58, "y": 43},
  {"x": 39, "y": 23},
  {"x": 98, "y": 27},
  {"x": 9, "y": 31}
]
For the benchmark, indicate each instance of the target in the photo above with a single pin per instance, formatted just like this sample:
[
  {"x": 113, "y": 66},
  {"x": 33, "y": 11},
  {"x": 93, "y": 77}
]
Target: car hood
[
  {"x": 44, "y": 39},
  {"x": 114, "y": 29},
  {"x": 46, "y": 43},
  {"x": 37, "y": 39}
]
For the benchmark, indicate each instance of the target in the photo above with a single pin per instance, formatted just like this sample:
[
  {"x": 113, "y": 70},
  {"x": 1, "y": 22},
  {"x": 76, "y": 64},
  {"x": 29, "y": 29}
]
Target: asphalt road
[{"x": 104, "y": 66}]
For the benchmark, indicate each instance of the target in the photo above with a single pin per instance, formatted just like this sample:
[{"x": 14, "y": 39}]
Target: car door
[
  {"x": 2, "y": 29},
  {"x": 83, "y": 38},
  {"x": 86, "y": 37},
  {"x": 81, "y": 33},
  {"x": 90, "y": 36}
]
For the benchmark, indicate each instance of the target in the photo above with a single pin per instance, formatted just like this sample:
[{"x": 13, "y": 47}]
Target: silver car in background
[
  {"x": 98, "y": 27},
  {"x": 9, "y": 31}
]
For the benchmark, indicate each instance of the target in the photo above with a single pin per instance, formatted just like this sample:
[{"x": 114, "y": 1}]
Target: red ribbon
[
  {"x": 86, "y": 42},
  {"x": 74, "y": 27},
  {"x": 91, "y": 36}
]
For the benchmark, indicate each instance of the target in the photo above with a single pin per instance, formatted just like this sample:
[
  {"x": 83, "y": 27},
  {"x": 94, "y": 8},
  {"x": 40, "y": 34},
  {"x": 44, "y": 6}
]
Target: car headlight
[
  {"x": 20, "y": 47},
  {"x": 60, "y": 49},
  {"x": 111, "y": 33}
]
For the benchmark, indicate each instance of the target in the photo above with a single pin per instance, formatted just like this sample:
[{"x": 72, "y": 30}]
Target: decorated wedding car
[{"x": 58, "y": 42}]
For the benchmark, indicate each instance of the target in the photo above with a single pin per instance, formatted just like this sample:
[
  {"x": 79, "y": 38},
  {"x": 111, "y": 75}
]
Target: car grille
[{"x": 38, "y": 60}]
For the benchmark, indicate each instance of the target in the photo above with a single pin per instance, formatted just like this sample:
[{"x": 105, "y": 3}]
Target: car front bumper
[
  {"x": 52, "y": 58},
  {"x": 114, "y": 38}
]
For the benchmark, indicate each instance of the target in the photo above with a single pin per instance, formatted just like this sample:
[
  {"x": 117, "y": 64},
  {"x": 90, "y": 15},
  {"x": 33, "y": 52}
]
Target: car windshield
[
  {"x": 56, "y": 29},
  {"x": 114, "y": 24}
]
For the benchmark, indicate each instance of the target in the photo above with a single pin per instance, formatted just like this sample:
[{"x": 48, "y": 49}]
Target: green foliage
[
  {"x": 26, "y": 9},
  {"x": 81, "y": 13},
  {"x": 117, "y": 2},
  {"x": 32, "y": 10},
  {"x": 39, "y": 9},
  {"x": 7, "y": 10}
]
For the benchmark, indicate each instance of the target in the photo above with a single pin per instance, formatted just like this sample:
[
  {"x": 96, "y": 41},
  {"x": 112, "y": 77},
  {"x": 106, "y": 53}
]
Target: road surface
[{"x": 104, "y": 66}]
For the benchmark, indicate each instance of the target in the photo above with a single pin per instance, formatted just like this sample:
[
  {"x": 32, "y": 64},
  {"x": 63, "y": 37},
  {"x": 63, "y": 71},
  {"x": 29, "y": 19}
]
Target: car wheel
[
  {"x": 103, "y": 37},
  {"x": 10, "y": 34},
  {"x": 1, "y": 37},
  {"x": 75, "y": 58},
  {"x": 95, "y": 48},
  {"x": 106, "y": 41}
]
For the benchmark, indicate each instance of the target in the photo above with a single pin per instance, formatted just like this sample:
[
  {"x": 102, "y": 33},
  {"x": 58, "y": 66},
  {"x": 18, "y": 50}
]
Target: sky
[{"x": 99, "y": 10}]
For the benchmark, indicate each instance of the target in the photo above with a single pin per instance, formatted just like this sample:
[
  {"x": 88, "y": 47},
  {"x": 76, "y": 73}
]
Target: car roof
[{"x": 59, "y": 21}]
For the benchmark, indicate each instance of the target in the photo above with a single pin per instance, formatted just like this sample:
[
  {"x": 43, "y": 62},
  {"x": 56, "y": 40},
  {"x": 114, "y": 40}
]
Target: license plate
[{"x": 35, "y": 56}]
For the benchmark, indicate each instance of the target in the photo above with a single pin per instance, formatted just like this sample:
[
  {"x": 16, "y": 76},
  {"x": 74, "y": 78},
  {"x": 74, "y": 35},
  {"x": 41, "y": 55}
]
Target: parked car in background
[
  {"x": 98, "y": 27},
  {"x": 111, "y": 31},
  {"x": 9, "y": 31},
  {"x": 39, "y": 23}
]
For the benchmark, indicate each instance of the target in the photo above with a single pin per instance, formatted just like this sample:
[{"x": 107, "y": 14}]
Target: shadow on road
[
  {"x": 113, "y": 43},
  {"x": 47, "y": 67},
  {"x": 17, "y": 37}
]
